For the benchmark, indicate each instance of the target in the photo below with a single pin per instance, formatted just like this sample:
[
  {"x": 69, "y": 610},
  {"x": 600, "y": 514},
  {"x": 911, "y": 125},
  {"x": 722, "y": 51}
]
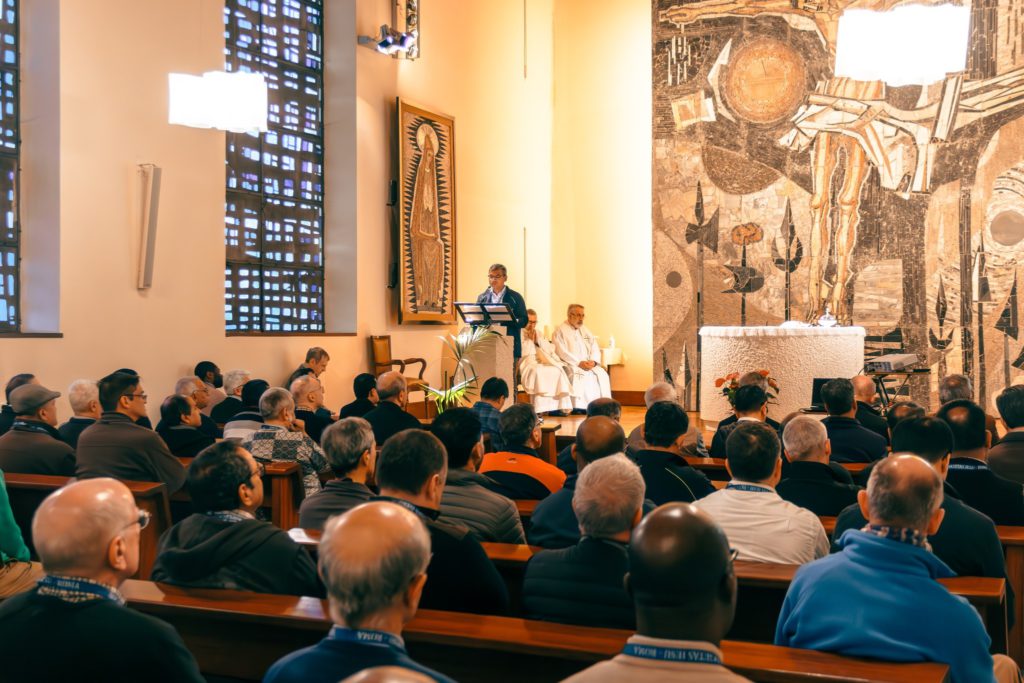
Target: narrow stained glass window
[
  {"x": 273, "y": 227},
  {"x": 10, "y": 149}
]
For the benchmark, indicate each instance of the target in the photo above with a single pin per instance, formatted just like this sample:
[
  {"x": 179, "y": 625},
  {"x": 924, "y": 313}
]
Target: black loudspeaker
[
  {"x": 392, "y": 193},
  {"x": 393, "y": 275}
]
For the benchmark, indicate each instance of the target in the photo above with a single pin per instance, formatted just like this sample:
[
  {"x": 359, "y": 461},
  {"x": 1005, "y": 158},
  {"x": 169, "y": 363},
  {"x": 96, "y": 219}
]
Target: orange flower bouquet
[{"x": 731, "y": 382}]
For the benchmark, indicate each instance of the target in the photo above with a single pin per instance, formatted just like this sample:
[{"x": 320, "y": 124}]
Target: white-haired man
[
  {"x": 577, "y": 346},
  {"x": 281, "y": 437},
  {"x": 84, "y": 397},
  {"x": 234, "y": 380},
  {"x": 809, "y": 481},
  {"x": 196, "y": 389},
  {"x": 373, "y": 560},
  {"x": 74, "y": 626},
  {"x": 582, "y": 584},
  {"x": 308, "y": 394},
  {"x": 693, "y": 444}
]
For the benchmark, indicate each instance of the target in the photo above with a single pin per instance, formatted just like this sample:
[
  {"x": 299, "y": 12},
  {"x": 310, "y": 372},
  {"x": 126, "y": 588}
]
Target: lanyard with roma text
[
  {"x": 748, "y": 487},
  {"x": 671, "y": 654},
  {"x": 968, "y": 466},
  {"x": 378, "y": 638},
  {"x": 68, "y": 584}
]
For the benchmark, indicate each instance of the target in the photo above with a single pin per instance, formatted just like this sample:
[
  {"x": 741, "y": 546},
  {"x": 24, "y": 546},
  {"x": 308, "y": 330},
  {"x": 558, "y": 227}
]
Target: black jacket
[
  {"x": 460, "y": 576},
  {"x": 44, "y": 638},
  {"x": 984, "y": 490},
  {"x": 357, "y": 408},
  {"x": 554, "y": 523},
  {"x": 314, "y": 423},
  {"x": 337, "y": 496},
  {"x": 852, "y": 442},
  {"x": 812, "y": 485},
  {"x": 6, "y": 419},
  {"x": 387, "y": 419},
  {"x": 869, "y": 418},
  {"x": 32, "y": 447},
  {"x": 1007, "y": 459},
  {"x": 669, "y": 478},
  {"x": 184, "y": 441},
  {"x": 251, "y": 555},
  {"x": 518, "y": 304},
  {"x": 226, "y": 409},
  {"x": 725, "y": 428},
  {"x": 967, "y": 540},
  {"x": 581, "y": 584},
  {"x": 73, "y": 428}
]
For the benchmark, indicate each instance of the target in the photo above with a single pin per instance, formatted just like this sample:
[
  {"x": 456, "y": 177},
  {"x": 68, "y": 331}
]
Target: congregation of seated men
[{"x": 628, "y": 531}]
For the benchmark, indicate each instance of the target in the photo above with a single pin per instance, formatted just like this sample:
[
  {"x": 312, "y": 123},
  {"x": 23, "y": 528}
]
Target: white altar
[{"x": 793, "y": 355}]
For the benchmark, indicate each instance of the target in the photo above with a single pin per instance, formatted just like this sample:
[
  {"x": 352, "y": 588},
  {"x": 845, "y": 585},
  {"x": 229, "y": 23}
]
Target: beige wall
[
  {"x": 601, "y": 234},
  {"x": 114, "y": 60}
]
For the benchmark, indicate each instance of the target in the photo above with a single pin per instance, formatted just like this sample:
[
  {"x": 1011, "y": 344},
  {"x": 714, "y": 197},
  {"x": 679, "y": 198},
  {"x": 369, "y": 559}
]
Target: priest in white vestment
[
  {"x": 542, "y": 373},
  {"x": 577, "y": 346}
]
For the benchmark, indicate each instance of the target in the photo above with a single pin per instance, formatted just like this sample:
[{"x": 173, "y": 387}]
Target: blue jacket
[{"x": 879, "y": 598}]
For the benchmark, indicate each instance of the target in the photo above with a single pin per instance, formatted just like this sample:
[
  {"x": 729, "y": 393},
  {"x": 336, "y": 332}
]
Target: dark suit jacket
[
  {"x": 670, "y": 479},
  {"x": 73, "y": 428},
  {"x": 357, "y": 408},
  {"x": 869, "y": 418},
  {"x": 1007, "y": 459},
  {"x": 812, "y": 485},
  {"x": 725, "y": 428},
  {"x": 226, "y": 409},
  {"x": 851, "y": 442},
  {"x": 554, "y": 523},
  {"x": 518, "y": 304},
  {"x": 581, "y": 584},
  {"x": 987, "y": 492},
  {"x": 967, "y": 540},
  {"x": 387, "y": 419}
]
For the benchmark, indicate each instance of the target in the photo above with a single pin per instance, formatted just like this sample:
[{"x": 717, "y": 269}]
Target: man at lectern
[{"x": 498, "y": 293}]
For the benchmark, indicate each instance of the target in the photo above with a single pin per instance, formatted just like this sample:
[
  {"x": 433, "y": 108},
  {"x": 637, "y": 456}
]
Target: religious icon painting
[{"x": 426, "y": 160}]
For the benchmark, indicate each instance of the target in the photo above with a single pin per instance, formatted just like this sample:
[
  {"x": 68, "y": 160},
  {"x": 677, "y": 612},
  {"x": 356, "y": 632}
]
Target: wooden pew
[
  {"x": 1012, "y": 538},
  {"x": 548, "y": 446},
  {"x": 714, "y": 468},
  {"x": 239, "y": 634},
  {"x": 283, "y": 491},
  {"x": 27, "y": 491}
]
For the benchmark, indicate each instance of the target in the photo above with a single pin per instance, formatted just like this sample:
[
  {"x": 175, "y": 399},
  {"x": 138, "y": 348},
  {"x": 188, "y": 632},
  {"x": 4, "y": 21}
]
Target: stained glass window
[
  {"x": 10, "y": 147},
  {"x": 273, "y": 228}
]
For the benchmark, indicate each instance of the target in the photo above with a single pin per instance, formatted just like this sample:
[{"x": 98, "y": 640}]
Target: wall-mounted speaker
[
  {"x": 147, "y": 223},
  {"x": 392, "y": 193}
]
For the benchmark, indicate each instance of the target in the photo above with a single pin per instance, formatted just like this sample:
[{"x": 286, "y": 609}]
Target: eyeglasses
[
  {"x": 261, "y": 470},
  {"x": 496, "y": 277},
  {"x": 142, "y": 521},
  {"x": 733, "y": 554},
  {"x": 134, "y": 396}
]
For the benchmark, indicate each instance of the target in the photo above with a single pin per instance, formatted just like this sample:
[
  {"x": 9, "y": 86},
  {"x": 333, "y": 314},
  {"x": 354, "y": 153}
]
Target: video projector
[{"x": 891, "y": 362}]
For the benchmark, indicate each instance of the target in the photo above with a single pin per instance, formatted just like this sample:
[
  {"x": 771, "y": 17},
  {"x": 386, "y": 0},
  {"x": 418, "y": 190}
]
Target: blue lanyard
[
  {"x": 68, "y": 584},
  {"x": 748, "y": 487},
  {"x": 227, "y": 516},
  {"x": 968, "y": 467},
  {"x": 671, "y": 654},
  {"x": 375, "y": 638}
]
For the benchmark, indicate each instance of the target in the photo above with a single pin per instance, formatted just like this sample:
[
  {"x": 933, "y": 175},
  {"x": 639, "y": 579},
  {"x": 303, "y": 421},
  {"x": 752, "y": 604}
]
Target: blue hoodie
[{"x": 879, "y": 598}]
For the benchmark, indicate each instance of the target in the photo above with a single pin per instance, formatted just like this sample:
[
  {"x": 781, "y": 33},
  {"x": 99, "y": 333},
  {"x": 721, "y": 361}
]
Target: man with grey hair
[
  {"x": 908, "y": 621},
  {"x": 389, "y": 417},
  {"x": 693, "y": 445},
  {"x": 865, "y": 392},
  {"x": 757, "y": 379},
  {"x": 84, "y": 397},
  {"x": 582, "y": 584},
  {"x": 316, "y": 362},
  {"x": 282, "y": 437},
  {"x": 196, "y": 389},
  {"x": 373, "y": 560},
  {"x": 234, "y": 380},
  {"x": 808, "y": 480},
  {"x": 577, "y": 346},
  {"x": 87, "y": 536},
  {"x": 352, "y": 454},
  {"x": 308, "y": 394},
  {"x": 33, "y": 445},
  {"x": 959, "y": 387}
]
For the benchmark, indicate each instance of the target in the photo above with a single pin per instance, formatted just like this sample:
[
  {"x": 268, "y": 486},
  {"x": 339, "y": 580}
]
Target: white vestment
[
  {"x": 544, "y": 376},
  {"x": 574, "y": 346}
]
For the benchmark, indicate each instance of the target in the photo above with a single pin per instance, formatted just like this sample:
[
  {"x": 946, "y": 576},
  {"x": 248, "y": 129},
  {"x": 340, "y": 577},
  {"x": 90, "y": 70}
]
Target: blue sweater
[{"x": 879, "y": 598}]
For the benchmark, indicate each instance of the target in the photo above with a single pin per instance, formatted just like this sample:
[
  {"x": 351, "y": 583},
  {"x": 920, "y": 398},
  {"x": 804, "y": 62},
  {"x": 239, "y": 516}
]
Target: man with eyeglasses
[
  {"x": 498, "y": 293},
  {"x": 196, "y": 389},
  {"x": 223, "y": 545},
  {"x": 117, "y": 447},
  {"x": 684, "y": 591},
  {"x": 74, "y": 625}
]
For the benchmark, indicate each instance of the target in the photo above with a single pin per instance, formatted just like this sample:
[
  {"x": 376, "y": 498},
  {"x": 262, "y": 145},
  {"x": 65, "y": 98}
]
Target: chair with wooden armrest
[{"x": 380, "y": 356}]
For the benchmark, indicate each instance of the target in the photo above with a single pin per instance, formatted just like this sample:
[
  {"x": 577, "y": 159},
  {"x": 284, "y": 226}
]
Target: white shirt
[
  {"x": 765, "y": 528},
  {"x": 493, "y": 298}
]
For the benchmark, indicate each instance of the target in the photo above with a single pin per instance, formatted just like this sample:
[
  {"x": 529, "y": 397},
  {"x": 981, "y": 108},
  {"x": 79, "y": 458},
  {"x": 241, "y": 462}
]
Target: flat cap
[{"x": 29, "y": 398}]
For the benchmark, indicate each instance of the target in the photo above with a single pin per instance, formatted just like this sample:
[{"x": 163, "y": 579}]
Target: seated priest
[
  {"x": 577, "y": 346},
  {"x": 809, "y": 481},
  {"x": 542, "y": 373},
  {"x": 223, "y": 545},
  {"x": 583, "y": 583}
]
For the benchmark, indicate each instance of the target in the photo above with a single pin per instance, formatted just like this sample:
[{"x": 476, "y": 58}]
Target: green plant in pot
[{"x": 461, "y": 387}]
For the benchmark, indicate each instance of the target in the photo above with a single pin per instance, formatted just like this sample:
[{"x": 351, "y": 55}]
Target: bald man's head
[
  {"x": 863, "y": 388},
  {"x": 904, "y": 491},
  {"x": 388, "y": 674},
  {"x": 390, "y": 386},
  {"x": 373, "y": 559},
  {"x": 679, "y": 563},
  {"x": 598, "y": 437},
  {"x": 75, "y": 527}
]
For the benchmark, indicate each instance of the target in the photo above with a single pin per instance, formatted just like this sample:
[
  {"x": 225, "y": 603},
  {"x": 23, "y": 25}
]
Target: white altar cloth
[{"x": 793, "y": 356}]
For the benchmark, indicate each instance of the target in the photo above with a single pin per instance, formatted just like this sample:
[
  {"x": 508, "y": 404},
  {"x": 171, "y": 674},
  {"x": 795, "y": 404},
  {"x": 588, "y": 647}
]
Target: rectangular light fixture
[
  {"x": 909, "y": 45},
  {"x": 235, "y": 101}
]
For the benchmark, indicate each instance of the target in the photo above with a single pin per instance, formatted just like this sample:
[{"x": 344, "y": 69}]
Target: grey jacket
[{"x": 490, "y": 517}]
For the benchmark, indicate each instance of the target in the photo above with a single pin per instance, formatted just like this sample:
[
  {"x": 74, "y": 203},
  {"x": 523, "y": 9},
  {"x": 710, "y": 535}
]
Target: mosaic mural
[{"x": 780, "y": 190}]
